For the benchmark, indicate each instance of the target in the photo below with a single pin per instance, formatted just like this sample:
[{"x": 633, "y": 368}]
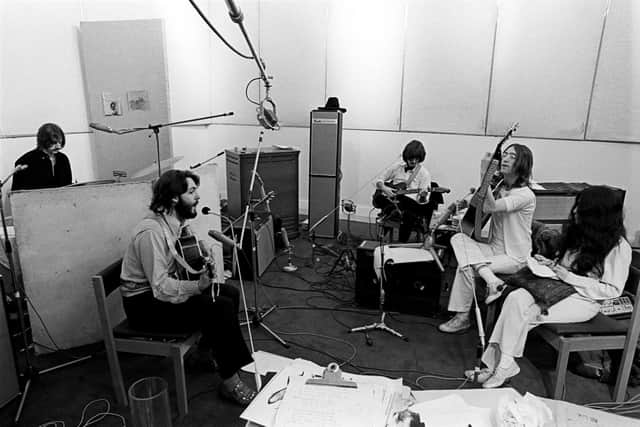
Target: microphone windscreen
[{"x": 206, "y": 210}]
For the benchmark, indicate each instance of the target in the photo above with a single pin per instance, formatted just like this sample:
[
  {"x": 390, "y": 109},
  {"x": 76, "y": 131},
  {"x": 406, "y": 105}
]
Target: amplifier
[
  {"x": 412, "y": 288},
  {"x": 265, "y": 246}
]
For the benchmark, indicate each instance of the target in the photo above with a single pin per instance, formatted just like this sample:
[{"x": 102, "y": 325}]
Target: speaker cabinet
[
  {"x": 278, "y": 169},
  {"x": 412, "y": 288},
  {"x": 325, "y": 151},
  {"x": 265, "y": 247}
]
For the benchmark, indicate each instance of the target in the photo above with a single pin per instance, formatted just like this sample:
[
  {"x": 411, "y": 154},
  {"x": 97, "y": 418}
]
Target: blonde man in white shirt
[
  {"x": 410, "y": 174},
  {"x": 509, "y": 242},
  {"x": 594, "y": 259}
]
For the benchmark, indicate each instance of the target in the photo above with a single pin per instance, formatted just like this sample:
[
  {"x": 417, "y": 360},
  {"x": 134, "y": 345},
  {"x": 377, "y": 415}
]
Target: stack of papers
[{"x": 287, "y": 400}]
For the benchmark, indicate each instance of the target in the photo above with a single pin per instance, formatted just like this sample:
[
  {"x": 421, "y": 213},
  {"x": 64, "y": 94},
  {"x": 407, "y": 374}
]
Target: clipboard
[{"x": 332, "y": 376}]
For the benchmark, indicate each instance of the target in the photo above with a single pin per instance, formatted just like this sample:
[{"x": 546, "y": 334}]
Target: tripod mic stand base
[
  {"x": 381, "y": 326},
  {"x": 289, "y": 268}
]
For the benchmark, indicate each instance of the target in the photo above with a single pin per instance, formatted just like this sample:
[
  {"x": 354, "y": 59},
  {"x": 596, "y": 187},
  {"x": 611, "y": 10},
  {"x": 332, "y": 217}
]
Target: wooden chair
[
  {"x": 600, "y": 333},
  {"x": 122, "y": 337}
]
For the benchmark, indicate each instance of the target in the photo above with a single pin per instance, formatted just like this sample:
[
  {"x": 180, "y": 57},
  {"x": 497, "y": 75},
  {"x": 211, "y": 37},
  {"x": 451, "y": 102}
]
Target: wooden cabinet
[
  {"x": 554, "y": 200},
  {"x": 278, "y": 169}
]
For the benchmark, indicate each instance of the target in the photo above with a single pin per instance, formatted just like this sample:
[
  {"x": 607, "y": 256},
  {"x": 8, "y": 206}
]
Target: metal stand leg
[
  {"x": 381, "y": 325},
  {"x": 258, "y": 315}
]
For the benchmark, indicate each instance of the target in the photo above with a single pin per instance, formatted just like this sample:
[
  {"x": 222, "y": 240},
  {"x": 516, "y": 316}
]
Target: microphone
[
  {"x": 197, "y": 165},
  {"x": 101, "y": 127},
  {"x": 17, "y": 169},
  {"x": 234, "y": 11},
  {"x": 206, "y": 211},
  {"x": 217, "y": 235},
  {"x": 268, "y": 118}
]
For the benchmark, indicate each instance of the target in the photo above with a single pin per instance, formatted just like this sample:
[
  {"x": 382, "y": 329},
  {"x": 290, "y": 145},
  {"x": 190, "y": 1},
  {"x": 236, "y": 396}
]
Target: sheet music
[{"x": 327, "y": 406}]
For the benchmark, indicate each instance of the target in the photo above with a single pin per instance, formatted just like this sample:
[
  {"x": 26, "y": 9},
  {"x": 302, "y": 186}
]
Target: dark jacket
[{"x": 39, "y": 173}]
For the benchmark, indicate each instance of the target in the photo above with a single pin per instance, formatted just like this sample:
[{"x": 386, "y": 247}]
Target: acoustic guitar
[
  {"x": 189, "y": 249},
  {"x": 474, "y": 218}
]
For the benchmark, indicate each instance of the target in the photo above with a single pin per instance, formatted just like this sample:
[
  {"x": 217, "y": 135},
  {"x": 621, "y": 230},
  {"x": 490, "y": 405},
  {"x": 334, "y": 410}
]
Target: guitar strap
[
  {"x": 171, "y": 242},
  {"x": 413, "y": 175}
]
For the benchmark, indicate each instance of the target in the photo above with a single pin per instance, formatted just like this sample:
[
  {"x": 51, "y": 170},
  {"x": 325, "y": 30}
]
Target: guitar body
[
  {"x": 379, "y": 198},
  {"x": 189, "y": 249}
]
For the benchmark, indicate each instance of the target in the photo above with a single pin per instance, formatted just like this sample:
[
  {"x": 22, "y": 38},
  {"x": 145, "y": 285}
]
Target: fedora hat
[{"x": 332, "y": 105}]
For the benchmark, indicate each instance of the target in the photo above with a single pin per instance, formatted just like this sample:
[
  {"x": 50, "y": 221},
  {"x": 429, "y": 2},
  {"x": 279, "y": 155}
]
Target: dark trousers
[
  {"x": 217, "y": 320},
  {"x": 411, "y": 212}
]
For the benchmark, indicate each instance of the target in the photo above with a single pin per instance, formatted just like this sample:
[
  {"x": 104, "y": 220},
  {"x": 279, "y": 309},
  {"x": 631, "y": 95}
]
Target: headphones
[{"x": 268, "y": 117}]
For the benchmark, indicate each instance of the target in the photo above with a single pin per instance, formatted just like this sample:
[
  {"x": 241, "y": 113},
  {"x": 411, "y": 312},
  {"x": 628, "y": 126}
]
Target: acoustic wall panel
[
  {"x": 295, "y": 32},
  {"x": 42, "y": 81},
  {"x": 124, "y": 61},
  {"x": 364, "y": 61},
  {"x": 446, "y": 73},
  {"x": 544, "y": 66},
  {"x": 231, "y": 73},
  {"x": 615, "y": 108}
]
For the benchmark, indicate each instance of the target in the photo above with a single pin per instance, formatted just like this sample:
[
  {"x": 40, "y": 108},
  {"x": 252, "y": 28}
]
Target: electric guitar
[
  {"x": 474, "y": 218},
  {"x": 400, "y": 189}
]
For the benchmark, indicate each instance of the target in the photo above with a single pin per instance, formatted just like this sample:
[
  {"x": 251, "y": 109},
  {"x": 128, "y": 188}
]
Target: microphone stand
[
  {"x": 257, "y": 319},
  {"x": 197, "y": 165},
  {"x": 19, "y": 297},
  {"x": 257, "y": 378},
  {"x": 381, "y": 324},
  {"x": 156, "y": 131}
]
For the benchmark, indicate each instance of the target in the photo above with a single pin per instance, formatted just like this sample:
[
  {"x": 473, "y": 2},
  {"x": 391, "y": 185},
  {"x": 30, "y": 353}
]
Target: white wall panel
[
  {"x": 188, "y": 43},
  {"x": 615, "y": 110},
  {"x": 293, "y": 43},
  {"x": 42, "y": 80},
  {"x": 231, "y": 73},
  {"x": 544, "y": 65},
  {"x": 364, "y": 61},
  {"x": 447, "y": 65}
]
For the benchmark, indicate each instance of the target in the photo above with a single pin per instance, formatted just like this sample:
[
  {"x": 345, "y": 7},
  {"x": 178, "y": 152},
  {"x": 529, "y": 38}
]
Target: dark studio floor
[{"x": 315, "y": 312}]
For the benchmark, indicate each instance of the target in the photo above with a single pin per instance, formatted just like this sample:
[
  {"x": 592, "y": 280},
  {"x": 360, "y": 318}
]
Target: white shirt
[
  {"x": 614, "y": 274},
  {"x": 510, "y": 231},
  {"x": 396, "y": 174}
]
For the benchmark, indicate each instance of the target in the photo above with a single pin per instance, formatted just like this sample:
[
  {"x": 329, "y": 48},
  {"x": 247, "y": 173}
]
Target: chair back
[
  {"x": 111, "y": 277},
  {"x": 633, "y": 281}
]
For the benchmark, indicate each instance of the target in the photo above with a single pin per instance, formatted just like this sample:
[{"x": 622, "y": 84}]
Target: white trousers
[
  {"x": 469, "y": 253},
  {"x": 520, "y": 314}
]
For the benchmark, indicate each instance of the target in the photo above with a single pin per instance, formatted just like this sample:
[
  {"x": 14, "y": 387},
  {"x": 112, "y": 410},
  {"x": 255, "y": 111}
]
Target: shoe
[
  {"x": 501, "y": 375},
  {"x": 458, "y": 323},
  {"x": 240, "y": 394},
  {"x": 495, "y": 292},
  {"x": 483, "y": 375}
]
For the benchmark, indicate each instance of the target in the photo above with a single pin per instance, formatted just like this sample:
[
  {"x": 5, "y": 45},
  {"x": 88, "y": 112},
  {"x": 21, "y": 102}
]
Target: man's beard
[{"x": 185, "y": 211}]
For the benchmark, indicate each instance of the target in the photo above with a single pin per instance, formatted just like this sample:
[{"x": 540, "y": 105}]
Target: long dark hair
[
  {"x": 523, "y": 166},
  {"x": 595, "y": 227},
  {"x": 171, "y": 184}
]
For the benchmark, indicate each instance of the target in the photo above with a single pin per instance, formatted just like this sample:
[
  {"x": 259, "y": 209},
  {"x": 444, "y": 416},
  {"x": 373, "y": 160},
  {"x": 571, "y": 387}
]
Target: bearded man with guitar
[
  {"x": 159, "y": 294},
  {"x": 404, "y": 188},
  {"x": 511, "y": 205}
]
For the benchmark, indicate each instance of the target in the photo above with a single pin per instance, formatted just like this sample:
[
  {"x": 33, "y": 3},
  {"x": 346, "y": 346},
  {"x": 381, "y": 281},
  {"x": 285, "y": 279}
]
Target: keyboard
[{"x": 617, "y": 306}]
